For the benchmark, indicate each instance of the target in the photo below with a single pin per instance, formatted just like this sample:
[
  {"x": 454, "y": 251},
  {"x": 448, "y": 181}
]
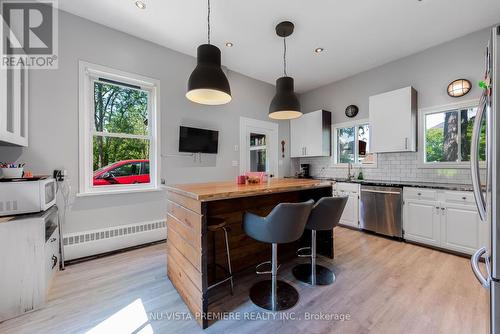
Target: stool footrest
[
  {"x": 299, "y": 254},
  {"x": 257, "y": 267}
]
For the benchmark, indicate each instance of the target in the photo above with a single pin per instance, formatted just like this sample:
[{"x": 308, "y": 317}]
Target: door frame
[{"x": 270, "y": 129}]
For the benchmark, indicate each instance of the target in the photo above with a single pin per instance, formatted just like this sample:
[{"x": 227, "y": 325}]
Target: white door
[
  {"x": 461, "y": 228},
  {"x": 258, "y": 146},
  {"x": 421, "y": 222}
]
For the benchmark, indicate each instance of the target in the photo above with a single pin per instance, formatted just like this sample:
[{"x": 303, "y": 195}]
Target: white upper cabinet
[
  {"x": 393, "y": 121},
  {"x": 14, "y": 107},
  {"x": 311, "y": 135}
]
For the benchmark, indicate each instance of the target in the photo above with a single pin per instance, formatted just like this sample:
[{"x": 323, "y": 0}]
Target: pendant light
[
  {"x": 208, "y": 83},
  {"x": 285, "y": 104}
]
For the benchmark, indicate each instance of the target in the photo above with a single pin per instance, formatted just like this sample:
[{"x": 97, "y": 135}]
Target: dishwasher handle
[{"x": 381, "y": 191}]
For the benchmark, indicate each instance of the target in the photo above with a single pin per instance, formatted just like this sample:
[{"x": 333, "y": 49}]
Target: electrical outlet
[{"x": 235, "y": 163}]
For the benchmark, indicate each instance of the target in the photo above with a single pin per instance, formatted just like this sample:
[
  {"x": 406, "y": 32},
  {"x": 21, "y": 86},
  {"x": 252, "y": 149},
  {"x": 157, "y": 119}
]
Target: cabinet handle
[
  {"x": 419, "y": 194},
  {"x": 406, "y": 143},
  {"x": 464, "y": 198}
]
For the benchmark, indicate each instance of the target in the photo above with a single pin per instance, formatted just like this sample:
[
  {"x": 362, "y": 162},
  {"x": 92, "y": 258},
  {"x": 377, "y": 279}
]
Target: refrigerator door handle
[
  {"x": 485, "y": 281},
  {"x": 474, "y": 158}
]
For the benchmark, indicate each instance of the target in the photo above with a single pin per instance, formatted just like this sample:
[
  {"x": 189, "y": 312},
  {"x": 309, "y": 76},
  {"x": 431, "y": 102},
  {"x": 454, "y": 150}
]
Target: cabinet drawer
[
  {"x": 346, "y": 188},
  {"x": 458, "y": 197},
  {"x": 420, "y": 194},
  {"x": 52, "y": 257}
]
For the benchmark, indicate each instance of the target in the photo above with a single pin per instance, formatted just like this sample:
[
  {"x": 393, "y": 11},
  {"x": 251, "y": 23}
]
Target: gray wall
[
  {"x": 53, "y": 127},
  {"x": 429, "y": 72}
]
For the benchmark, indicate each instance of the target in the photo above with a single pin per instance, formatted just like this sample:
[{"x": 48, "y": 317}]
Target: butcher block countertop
[{"x": 224, "y": 190}]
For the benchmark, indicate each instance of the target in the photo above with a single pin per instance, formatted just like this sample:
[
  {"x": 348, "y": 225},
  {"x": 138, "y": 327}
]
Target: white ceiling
[{"x": 357, "y": 34}]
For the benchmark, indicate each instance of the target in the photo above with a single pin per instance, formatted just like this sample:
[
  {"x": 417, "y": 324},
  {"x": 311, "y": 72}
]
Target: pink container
[{"x": 241, "y": 179}]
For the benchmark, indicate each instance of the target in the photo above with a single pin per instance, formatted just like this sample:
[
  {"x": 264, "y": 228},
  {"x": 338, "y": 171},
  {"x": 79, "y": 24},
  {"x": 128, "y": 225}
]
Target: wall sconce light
[{"x": 459, "y": 87}]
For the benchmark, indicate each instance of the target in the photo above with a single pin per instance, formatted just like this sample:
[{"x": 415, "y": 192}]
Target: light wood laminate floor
[{"x": 384, "y": 286}]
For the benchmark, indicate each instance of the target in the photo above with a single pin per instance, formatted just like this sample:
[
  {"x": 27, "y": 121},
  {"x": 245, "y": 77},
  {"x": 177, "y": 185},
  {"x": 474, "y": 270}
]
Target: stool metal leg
[
  {"x": 273, "y": 294},
  {"x": 313, "y": 274},
  {"x": 230, "y": 270},
  {"x": 313, "y": 257}
]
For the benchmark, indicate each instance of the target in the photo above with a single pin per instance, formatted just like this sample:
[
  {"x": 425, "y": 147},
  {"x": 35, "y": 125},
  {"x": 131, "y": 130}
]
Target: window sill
[{"x": 120, "y": 191}]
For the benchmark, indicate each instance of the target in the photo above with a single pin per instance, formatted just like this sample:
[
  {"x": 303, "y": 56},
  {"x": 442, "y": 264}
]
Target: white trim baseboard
[{"x": 94, "y": 242}]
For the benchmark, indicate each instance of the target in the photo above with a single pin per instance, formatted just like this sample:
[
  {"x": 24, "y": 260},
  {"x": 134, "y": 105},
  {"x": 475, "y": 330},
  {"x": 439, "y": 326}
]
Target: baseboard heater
[{"x": 93, "y": 242}]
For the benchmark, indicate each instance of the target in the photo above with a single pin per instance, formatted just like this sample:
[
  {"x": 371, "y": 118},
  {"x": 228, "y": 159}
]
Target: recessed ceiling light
[
  {"x": 319, "y": 50},
  {"x": 140, "y": 4},
  {"x": 229, "y": 44}
]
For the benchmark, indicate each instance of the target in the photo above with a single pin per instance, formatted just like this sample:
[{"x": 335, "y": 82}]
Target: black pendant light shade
[
  {"x": 208, "y": 84},
  {"x": 285, "y": 104}
]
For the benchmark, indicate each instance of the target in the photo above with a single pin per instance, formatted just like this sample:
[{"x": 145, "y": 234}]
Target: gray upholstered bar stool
[
  {"x": 284, "y": 224},
  {"x": 324, "y": 216}
]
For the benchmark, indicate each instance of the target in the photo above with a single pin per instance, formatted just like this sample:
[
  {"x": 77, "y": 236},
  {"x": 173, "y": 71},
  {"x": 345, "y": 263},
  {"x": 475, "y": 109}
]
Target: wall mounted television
[{"x": 194, "y": 140}]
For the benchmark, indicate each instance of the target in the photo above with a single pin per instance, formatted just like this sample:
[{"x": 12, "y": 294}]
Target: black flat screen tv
[{"x": 194, "y": 140}]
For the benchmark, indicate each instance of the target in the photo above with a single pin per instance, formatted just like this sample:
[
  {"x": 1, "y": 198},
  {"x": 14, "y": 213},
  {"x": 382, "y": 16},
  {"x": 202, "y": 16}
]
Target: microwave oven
[{"x": 26, "y": 195}]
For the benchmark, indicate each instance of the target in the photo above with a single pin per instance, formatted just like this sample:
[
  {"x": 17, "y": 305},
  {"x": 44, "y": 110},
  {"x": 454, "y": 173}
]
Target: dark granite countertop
[{"x": 431, "y": 185}]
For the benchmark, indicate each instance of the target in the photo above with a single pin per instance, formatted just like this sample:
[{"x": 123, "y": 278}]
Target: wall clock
[{"x": 351, "y": 111}]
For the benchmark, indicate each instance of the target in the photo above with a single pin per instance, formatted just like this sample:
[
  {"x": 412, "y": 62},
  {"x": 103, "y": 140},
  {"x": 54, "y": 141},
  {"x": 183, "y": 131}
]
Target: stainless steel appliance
[
  {"x": 488, "y": 199},
  {"x": 380, "y": 210},
  {"x": 26, "y": 195}
]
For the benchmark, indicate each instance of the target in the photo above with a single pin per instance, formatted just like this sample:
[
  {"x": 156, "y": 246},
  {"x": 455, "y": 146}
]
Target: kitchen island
[{"x": 190, "y": 210}]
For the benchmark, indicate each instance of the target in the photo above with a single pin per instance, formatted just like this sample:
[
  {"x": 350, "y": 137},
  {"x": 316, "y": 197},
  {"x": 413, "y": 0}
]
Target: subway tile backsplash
[{"x": 391, "y": 167}]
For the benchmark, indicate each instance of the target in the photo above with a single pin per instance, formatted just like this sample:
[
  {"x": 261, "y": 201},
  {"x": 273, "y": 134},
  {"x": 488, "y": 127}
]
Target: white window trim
[
  {"x": 354, "y": 123},
  {"x": 87, "y": 73},
  {"x": 421, "y": 135},
  {"x": 271, "y": 130}
]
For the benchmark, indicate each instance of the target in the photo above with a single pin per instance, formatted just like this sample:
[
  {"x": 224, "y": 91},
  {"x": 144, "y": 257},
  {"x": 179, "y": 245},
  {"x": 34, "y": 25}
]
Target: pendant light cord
[
  {"x": 208, "y": 21},
  {"x": 284, "y": 56}
]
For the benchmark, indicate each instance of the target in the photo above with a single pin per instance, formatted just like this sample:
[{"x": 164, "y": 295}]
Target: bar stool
[
  {"x": 284, "y": 224},
  {"x": 219, "y": 224},
  {"x": 325, "y": 215}
]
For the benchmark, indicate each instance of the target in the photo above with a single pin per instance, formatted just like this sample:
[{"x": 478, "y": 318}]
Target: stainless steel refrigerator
[{"x": 486, "y": 192}]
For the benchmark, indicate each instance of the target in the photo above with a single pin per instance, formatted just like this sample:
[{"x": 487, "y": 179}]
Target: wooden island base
[{"x": 190, "y": 248}]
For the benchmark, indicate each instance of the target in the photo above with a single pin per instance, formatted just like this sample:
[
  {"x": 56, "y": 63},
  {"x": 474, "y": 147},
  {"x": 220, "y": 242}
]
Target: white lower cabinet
[
  {"x": 422, "y": 222},
  {"x": 442, "y": 218},
  {"x": 350, "y": 216}
]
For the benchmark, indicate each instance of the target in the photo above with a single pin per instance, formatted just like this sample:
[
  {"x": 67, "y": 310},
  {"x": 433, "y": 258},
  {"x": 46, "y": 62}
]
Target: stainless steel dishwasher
[{"x": 380, "y": 210}]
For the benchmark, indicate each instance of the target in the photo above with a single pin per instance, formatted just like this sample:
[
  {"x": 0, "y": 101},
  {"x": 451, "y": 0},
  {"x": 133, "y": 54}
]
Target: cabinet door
[
  {"x": 14, "y": 106},
  {"x": 350, "y": 216},
  {"x": 461, "y": 228},
  {"x": 296, "y": 137},
  {"x": 313, "y": 134},
  {"x": 421, "y": 222},
  {"x": 393, "y": 121}
]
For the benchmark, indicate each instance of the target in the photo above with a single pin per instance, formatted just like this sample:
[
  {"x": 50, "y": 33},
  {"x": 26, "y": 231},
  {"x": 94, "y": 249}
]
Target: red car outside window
[{"x": 123, "y": 172}]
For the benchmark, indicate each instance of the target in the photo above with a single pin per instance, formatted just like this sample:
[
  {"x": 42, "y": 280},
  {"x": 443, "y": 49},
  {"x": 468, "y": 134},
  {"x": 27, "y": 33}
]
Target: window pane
[
  {"x": 345, "y": 145},
  {"x": 120, "y": 161},
  {"x": 363, "y": 142},
  {"x": 467, "y": 119},
  {"x": 119, "y": 109},
  {"x": 441, "y": 136},
  {"x": 258, "y": 160}
]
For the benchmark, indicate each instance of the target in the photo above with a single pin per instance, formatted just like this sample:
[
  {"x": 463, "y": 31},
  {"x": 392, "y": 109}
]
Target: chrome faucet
[{"x": 349, "y": 169}]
